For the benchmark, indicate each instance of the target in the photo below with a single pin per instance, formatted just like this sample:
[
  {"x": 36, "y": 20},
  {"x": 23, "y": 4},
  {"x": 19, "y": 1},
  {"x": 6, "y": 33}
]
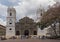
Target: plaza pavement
[{"x": 29, "y": 40}]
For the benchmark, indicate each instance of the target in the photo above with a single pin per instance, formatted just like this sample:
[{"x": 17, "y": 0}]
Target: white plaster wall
[
  {"x": 13, "y": 21},
  {"x": 10, "y": 33}
]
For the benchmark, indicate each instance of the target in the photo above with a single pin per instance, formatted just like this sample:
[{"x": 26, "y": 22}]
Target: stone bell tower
[{"x": 11, "y": 19}]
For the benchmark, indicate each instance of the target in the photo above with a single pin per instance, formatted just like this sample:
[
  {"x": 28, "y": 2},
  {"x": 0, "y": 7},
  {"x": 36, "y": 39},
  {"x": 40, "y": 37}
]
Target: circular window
[
  {"x": 10, "y": 23},
  {"x": 10, "y": 29}
]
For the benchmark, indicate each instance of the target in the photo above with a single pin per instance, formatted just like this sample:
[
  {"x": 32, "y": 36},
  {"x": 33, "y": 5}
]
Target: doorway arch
[
  {"x": 26, "y": 32},
  {"x": 35, "y": 33},
  {"x": 17, "y": 33}
]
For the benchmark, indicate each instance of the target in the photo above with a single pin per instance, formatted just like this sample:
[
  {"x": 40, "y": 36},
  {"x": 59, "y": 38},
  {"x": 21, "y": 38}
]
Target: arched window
[
  {"x": 10, "y": 21},
  {"x": 10, "y": 14},
  {"x": 41, "y": 14},
  {"x": 10, "y": 29}
]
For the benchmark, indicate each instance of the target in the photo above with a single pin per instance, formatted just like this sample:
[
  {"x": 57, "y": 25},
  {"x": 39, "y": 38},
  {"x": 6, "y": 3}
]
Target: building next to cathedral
[
  {"x": 26, "y": 26},
  {"x": 2, "y": 30}
]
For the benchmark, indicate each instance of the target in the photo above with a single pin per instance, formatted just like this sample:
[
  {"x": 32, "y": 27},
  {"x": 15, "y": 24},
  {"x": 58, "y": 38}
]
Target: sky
[{"x": 23, "y": 8}]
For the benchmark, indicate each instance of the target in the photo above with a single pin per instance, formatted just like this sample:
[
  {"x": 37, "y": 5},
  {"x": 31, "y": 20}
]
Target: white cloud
[
  {"x": 29, "y": 7},
  {"x": 3, "y": 14},
  {"x": 57, "y": 0},
  {"x": 12, "y": 1},
  {"x": 3, "y": 10},
  {"x": 2, "y": 22}
]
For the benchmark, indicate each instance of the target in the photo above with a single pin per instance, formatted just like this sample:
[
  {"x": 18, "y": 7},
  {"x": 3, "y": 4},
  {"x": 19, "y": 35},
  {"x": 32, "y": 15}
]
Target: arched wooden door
[
  {"x": 17, "y": 33},
  {"x": 26, "y": 32}
]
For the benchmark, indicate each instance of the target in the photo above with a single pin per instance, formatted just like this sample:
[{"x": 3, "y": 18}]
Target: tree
[
  {"x": 51, "y": 15},
  {"x": 40, "y": 12}
]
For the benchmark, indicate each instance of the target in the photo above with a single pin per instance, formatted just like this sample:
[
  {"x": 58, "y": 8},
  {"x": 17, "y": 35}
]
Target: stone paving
[{"x": 29, "y": 40}]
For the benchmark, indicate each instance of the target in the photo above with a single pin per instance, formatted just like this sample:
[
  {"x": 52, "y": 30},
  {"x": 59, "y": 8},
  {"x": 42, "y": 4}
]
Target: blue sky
[
  {"x": 23, "y": 8},
  {"x": 10, "y": 2}
]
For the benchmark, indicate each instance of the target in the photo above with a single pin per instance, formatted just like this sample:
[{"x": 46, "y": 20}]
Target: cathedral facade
[{"x": 26, "y": 26}]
